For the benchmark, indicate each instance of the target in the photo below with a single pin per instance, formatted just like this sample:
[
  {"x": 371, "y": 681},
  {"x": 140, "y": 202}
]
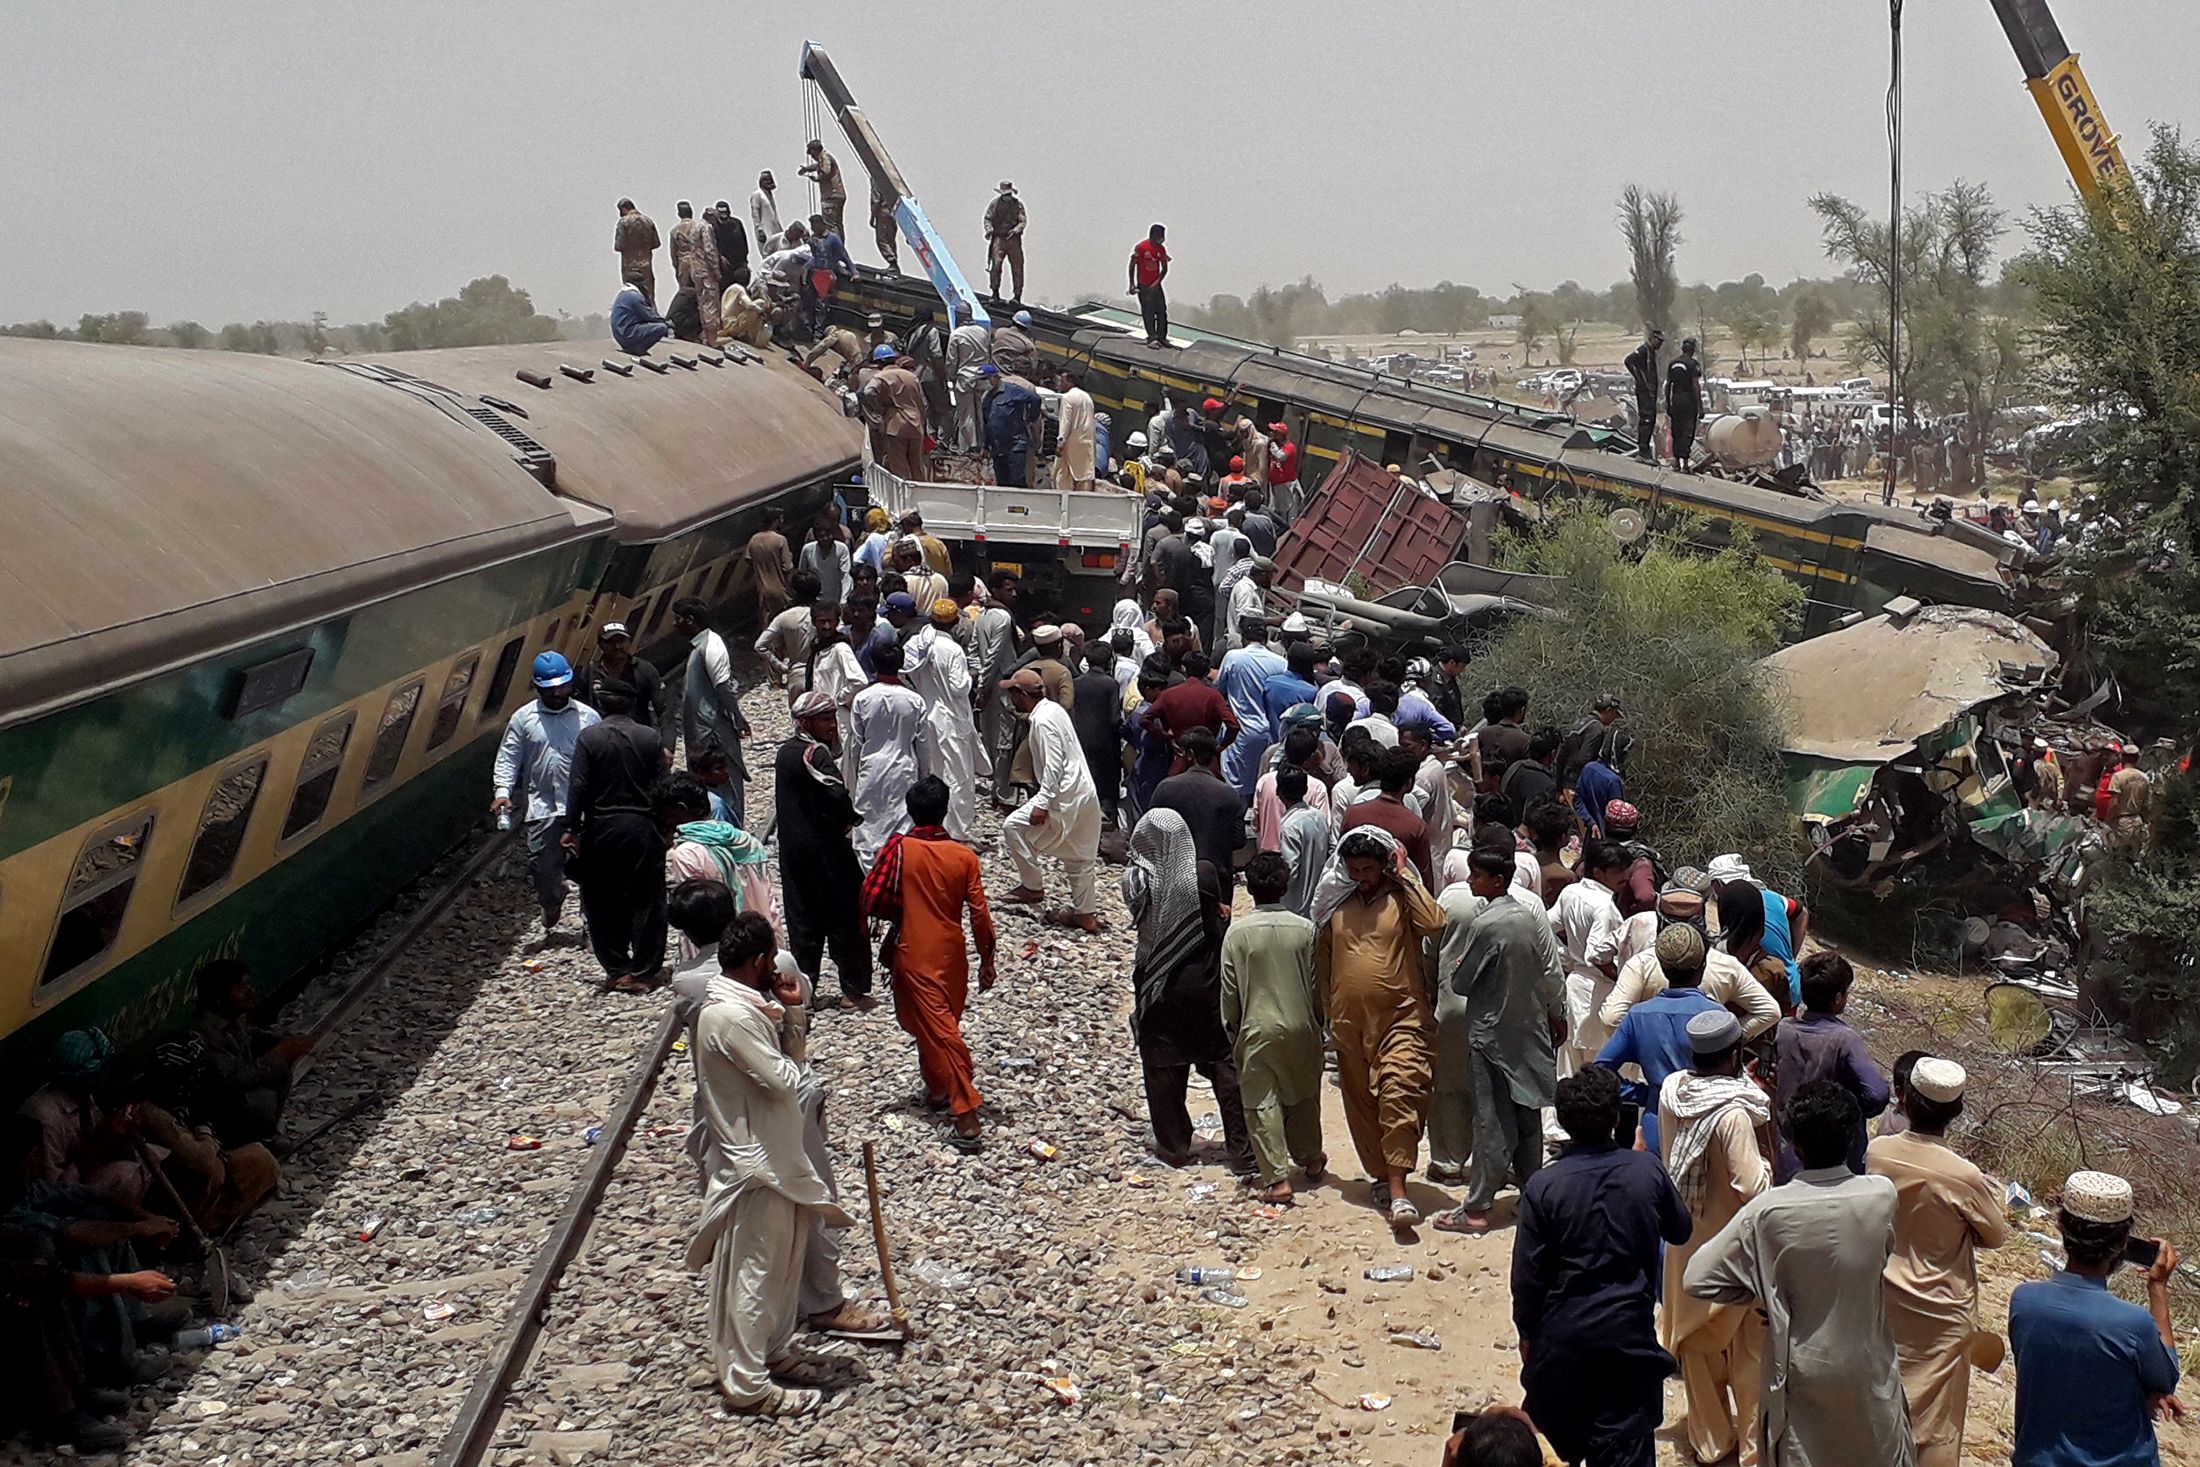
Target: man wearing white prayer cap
[
  {"x": 2093, "y": 1371},
  {"x": 1715, "y": 1138},
  {"x": 1946, "y": 1209}
]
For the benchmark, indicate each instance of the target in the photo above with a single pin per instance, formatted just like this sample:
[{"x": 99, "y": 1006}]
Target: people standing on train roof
[
  {"x": 1004, "y": 239},
  {"x": 1642, "y": 370},
  {"x": 1075, "y": 445},
  {"x": 764, "y": 211},
  {"x": 819, "y": 876},
  {"x": 1149, "y": 266},
  {"x": 832, "y": 191},
  {"x": 695, "y": 266},
  {"x": 617, "y": 852},
  {"x": 760, "y": 1183},
  {"x": 534, "y": 767},
  {"x": 1684, "y": 401},
  {"x": 635, "y": 324},
  {"x": 635, "y": 240},
  {"x": 732, "y": 241},
  {"x": 710, "y": 710},
  {"x": 771, "y": 560},
  {"x": 616, "y": 666}
]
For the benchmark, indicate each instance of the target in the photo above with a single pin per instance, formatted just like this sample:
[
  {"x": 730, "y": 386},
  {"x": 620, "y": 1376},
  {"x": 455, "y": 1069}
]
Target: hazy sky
[{"x": 230, "y": 160}]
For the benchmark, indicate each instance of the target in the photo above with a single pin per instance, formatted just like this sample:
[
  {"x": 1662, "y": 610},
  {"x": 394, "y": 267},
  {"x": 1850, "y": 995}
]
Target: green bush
[{"x": 1677, "y": 635}]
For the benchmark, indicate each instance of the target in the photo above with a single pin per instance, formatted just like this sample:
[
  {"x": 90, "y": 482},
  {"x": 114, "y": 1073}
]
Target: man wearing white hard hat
[
  {"x": 2093, "y": 1372},
  {"x": 1946, "y": 1210}
]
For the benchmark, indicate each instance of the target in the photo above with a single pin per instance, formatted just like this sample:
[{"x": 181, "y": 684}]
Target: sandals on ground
[
  {"x": 1457, "y": 1221},
  {"x": 784, "y": 1401}
]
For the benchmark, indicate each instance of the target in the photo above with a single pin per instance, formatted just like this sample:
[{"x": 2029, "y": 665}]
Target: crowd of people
[
  {"x": 1463, "y": 916},
  {"x": 1637, "y": 1064},
  {"x": 112, "y": 1173}
]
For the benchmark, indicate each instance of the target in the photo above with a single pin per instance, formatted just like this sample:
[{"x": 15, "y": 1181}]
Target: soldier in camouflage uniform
[
  {"x": 636, "y": 241},
  {"x": 695, "y": 265}
]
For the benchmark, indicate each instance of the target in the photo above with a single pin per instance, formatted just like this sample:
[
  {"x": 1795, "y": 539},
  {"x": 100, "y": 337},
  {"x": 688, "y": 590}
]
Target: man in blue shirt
[
  {"x": 1595, "y": 788},
  {"x": 2093, "y": 1370},
  {"x": 1585, "y": 1284},
  {"x": 534, "y": 769},
  {"x": 1243, "y": 682},
  {"x": 635, "y": 324},
  {"x": 1654, "y": 1035}
]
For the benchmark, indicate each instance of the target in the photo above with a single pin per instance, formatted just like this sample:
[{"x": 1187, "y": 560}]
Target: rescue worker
[
  {"x": 635, "y": 239},
  {"x": 1004, "y": 239},
  {"x": 832, "y": 193},
  {"x": 1684, "y": 401},
  {"x": 1642, "y": 370}
]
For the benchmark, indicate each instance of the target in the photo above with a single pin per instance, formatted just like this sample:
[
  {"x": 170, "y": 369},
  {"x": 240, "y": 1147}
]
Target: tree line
[{"x": 489, "y": 311}]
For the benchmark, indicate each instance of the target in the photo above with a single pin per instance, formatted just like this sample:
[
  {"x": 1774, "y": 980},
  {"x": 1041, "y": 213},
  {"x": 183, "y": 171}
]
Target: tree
[
  {"x": 2119, "y": 293},
  {"x": 1945, "y": 246},
  {"x": 1753, "y": 326},
  {"x": 189, "y": 335},
  {"x": 1678, "y": 636},
  {"x": 2118, "y": 286},
  {"x": 487, "y": 312},
  {"x": 1651, "y": 223},
  {"x": 1810, "y": 317},
  {"x": 1541, "y": 320},
  {"x": 116, "y": 328},
  {"x": 41, "y": 330}
]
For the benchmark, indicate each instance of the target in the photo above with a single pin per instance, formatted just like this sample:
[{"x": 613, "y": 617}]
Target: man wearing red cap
[{"x": 1283, "y": 456}]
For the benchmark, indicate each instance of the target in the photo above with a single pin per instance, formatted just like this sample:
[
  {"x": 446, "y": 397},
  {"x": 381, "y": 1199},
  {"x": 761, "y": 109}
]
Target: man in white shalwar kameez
[
  {"x": 893, "y": 751},
  {"x": 836, "y": 672},
  {"x": 938, "y": 670},
  {"x": 761, "y": 1184},
  {"x": 1063, "y": 819},
  {"x": 1073, "y": 461}
]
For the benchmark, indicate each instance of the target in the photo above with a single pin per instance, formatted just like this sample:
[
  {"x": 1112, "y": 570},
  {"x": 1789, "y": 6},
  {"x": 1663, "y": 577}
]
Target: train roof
[
  {"x": 162, "y": 504},
  {"x": 664, "y": 451}
]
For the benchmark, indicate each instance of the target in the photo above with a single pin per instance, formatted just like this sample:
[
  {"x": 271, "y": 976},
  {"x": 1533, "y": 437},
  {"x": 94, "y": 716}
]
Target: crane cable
[
  {"x": 813, "y": 120},
  {"x": 1894, "y": 246}
]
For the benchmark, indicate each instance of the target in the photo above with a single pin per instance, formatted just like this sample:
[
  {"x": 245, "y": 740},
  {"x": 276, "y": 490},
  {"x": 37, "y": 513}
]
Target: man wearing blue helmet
[{"x": 534, "y": 771}]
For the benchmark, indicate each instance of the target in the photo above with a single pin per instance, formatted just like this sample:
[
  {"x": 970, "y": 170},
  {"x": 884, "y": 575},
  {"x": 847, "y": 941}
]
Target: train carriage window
[
  {"x": 657, "y": 613},
  {"x": 500, "y": 681},
  {"x": 221, "y": 831},
  {"x": 389, "y": 739},
  {"x": 97, "y": 897},
  {"x": 450, "y": 709},
  {"x": 725, "y": 580},
  {"x": 550, "y": 634},
  {"x": 317, "y": 776}
]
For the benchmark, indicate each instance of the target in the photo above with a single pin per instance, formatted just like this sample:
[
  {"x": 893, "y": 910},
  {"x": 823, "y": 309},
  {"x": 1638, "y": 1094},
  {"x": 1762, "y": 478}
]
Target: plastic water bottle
[
  {"x": 1391, "y": 1273},
  {"x": 206, "y": 1336},
  {"x": 1197, "y": 1274},
  {"x": 1224, "y": 1298},
  {"x": 504, "y": 819}
]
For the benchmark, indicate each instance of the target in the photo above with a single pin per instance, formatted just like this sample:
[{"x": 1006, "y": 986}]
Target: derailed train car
[
  {"x": 1848, "y": 557},
  {"x": 267, "y": 618}
]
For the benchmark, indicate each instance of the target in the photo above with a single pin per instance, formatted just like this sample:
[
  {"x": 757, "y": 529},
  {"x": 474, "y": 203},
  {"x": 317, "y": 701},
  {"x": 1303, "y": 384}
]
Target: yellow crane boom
[{"x": 2089, "y": 146}]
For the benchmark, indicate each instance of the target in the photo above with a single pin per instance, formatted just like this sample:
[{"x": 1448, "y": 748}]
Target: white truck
[{"x": 1069, "y": 547}]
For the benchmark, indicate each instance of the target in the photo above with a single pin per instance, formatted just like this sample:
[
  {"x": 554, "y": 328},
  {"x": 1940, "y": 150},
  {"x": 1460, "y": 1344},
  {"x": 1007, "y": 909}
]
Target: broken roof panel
[{"x": 1868, "y": 693}]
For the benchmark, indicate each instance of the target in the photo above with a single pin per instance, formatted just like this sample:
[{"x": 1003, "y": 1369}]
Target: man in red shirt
[
  {"x": 1283, "y": 455},
  {"x": 1394, "y": 771},
  {"x": 1192, "y": 703},
  {"x": 1149, "y": 267}
]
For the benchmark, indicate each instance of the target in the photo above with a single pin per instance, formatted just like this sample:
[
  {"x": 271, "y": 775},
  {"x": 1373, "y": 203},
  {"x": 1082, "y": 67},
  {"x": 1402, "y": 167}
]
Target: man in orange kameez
[{"x": 920, "y": 884}]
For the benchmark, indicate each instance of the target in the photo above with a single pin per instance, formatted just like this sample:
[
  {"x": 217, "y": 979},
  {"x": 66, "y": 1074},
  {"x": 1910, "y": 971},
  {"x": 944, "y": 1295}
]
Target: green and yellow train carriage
[
  {"x": 1847, "y": 557},
  {"x": 266, "y": 620}
]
